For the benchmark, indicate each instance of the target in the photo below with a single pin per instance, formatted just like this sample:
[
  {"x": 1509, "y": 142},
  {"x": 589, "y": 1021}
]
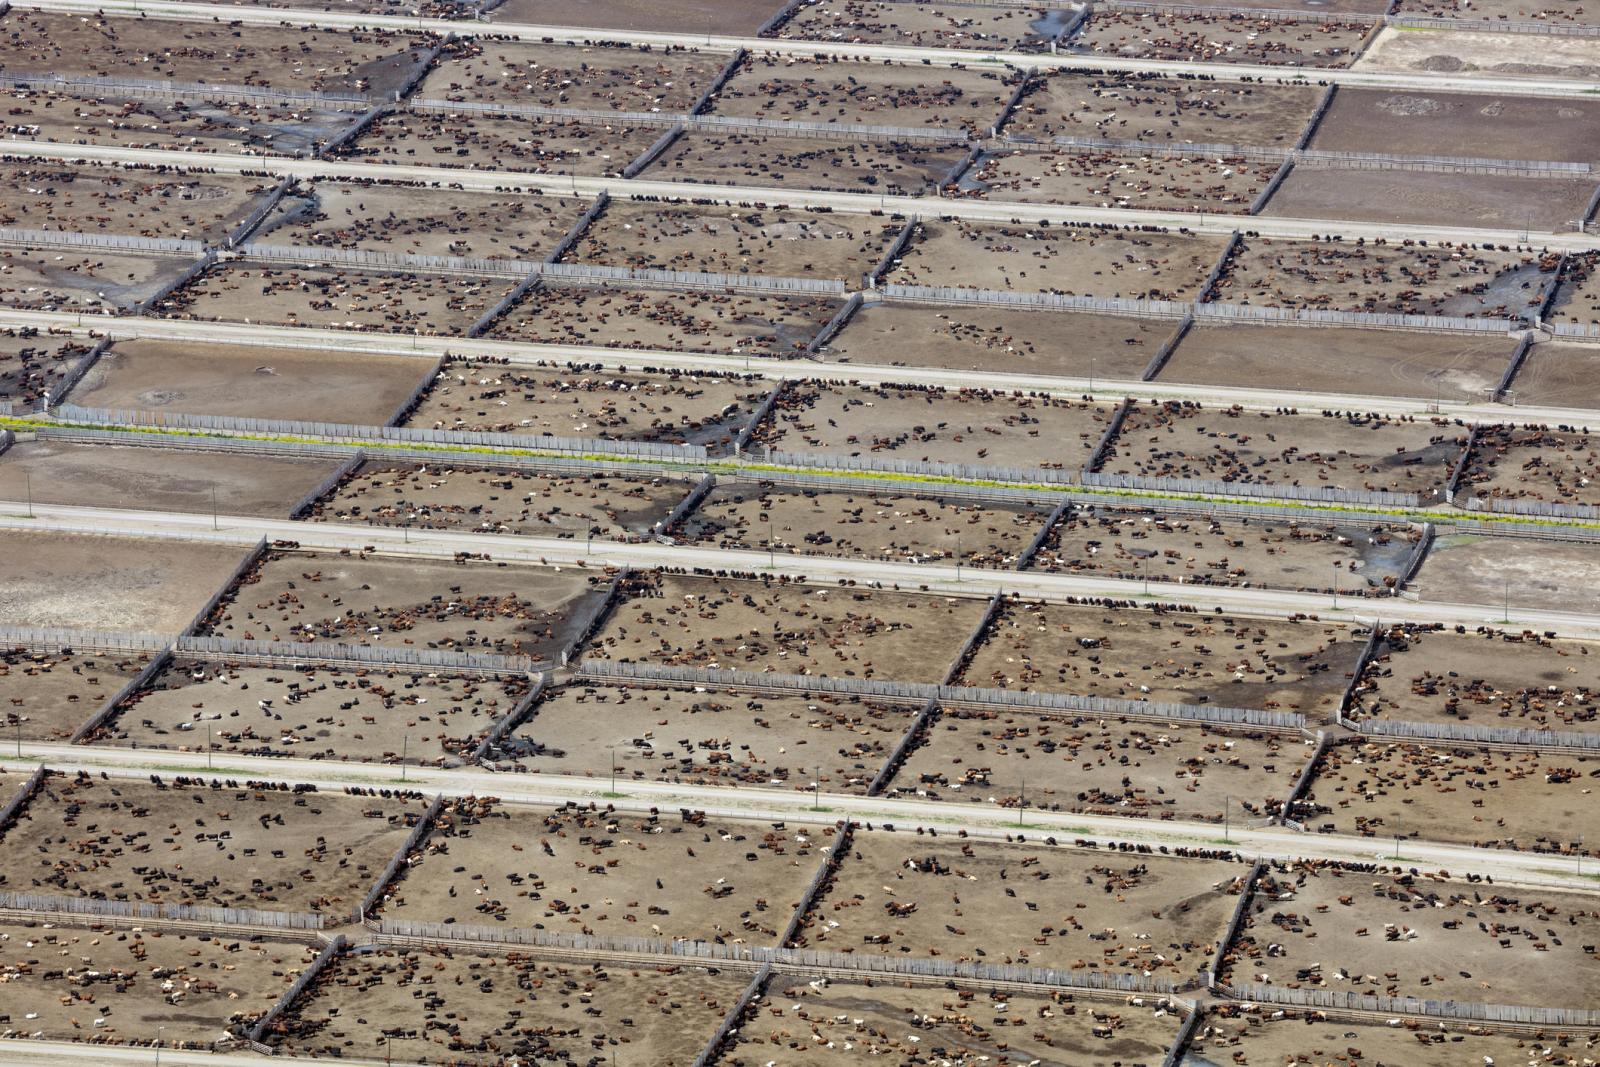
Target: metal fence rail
[
  {"x": 54, "y": 639},
  {"x": 1521, "y": 26},
  {"x": 927, "y": 294},
  {"x": 1533, "y": 508},
  {"x": 151, "y": 89},
  {"x": 583, "y": 116},
  {"x": 1468, "y": 733},
  {"x": 890, "y": 465},
  {"x": 330, "y": 652},
  {"x": 920, "y": 692},
  {"x": 1344, "y": 1000},
  {"x": 1318, "y": 317},
  {"x": 1270, "y": 490},
  {"x": 824, "y": 130},
  {"x": 45, "y": 903},
  {"x": 330, "y": 951},
  {"x": 170, "y": 246}
]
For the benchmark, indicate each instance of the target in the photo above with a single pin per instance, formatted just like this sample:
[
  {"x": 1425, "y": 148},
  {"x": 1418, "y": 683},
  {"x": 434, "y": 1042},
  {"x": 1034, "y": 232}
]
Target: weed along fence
[{"x": 920, "y": 692}]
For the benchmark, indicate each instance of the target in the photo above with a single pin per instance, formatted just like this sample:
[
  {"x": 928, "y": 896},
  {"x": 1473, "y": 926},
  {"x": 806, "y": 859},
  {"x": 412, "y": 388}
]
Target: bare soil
[
  {"x": 710, "y": 738},
  {"x": 1488, "y": 798},
  {"x": 1506, "y": 10},
  {"x": 95, "y": 282},
  {"x": 965, "y": 26},
  {"x": 1449, "y": 51},
  {"x": 158, "y": 479},
  {"x": 1111, "y": 179},
  {"x": 887, "y": 526},
  {"x": 788, "y": 629},
  {"x": 1103, "y": 766},
  {"x": 68, "y": 580},
  {"x": 413, "y": 220},
  {"x": 904, "y": 168},
  {"x": 484, "y": 500},
  {"x": 1077, "y": 262},
  {"x": 45, "y": 195},
  {"x": 574, "y": 77},
  {"x": 580, "y": 401},
  {"x": 994, "y": 339},
  {"x": 251, "y": 381},
  {"x": 1494, "y": 678},
  {"x": 228, "y": 846},
  {"x": 1137, "y": 654},
  {"x": 1372, "y": 453},
  {"x": 796, "y": 89},
  {"x": 32, "y": 365},
  {"x": 1345, "y": 361},
  {"x": 1455, "y": 124},
  {"x": 737, "y": 17},
  {"x": 331, "y": 298},
  {"x": 1534, "y": 464},
  {"x": 47, "y": 696},
  {"x": 1401, "y": 935},
  {"x": 432, "y": 1006},
  {"x": 1031, "y": 905},
  {"x": 1431, "y": 198},
  {"x": 1218, "y": 38},
  {"x": 1578, "y": 297},
  {"x": 818, "y": 1024},
  {"x": 379, "y": 601},
  {"x": 697, "y": 320},
  {"x": 1132, "y": 107},
  {"x": 1385, "y": 279},
  {"x": 297, "y": 57},
  {"x": 608, "y": 874},
  {"x": 1198, "y": 549},
  {"x": 735, "y": 240},
  {"x": 1559, "y": 374},
  {"x": 122, "y": 987},
  {"x": 1515, "y": 572},
  {"x": 484, "y": 142},
  {"x": 932, "y": 425}
]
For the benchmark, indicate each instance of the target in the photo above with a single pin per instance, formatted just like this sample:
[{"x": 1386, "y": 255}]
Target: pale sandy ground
[{"x": 1502, "y": 53}]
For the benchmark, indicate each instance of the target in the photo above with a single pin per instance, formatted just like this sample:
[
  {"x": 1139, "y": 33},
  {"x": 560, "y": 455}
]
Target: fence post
[
  {"x": 1179, "y": 1048},
  {"x": 773, "y": 24},
  {"x": 691, "y": 500},
  {"x": 1040, "y": 539},
  {"x": 248, "y": 227},
  {"x": 1458, "y": 472},
  {"x": 519, "y": 714},
  {"x": 1170, "y": 345},
  {"x": 1341, "y": 713},
  {"x": 1303, "y": 781},
  {"x": 702, "y": 105},
  {"x": 79, "y": 369},
  {"x": 892, "y": 253},
  {"x": 1316, "y": 118},
  {"x": 1102, "y": 447},
  {"x": 585, "y": 625},
  {"x": 656, "y": 149},
  {"x": 104, "y": 713},
  {"x": 1208, "y": 288},
  {"x": 398, "y": 860},
  {"x": 324, "y": 958},
  {"x": 250, "y": 559},
  {"x": 831, "y": 329},
  {"x": 1260, "y": 202},
  {"x": 1419, "y": 552},
  {"x": 759, "y": 416},
  {"x": 1235, "y": 923},
  {"x": 730, "y": 1022},
  {"x": 346, "y": 467},
  {"x": 1024, "y": 83},
  {"x": 14, "y": 806}
]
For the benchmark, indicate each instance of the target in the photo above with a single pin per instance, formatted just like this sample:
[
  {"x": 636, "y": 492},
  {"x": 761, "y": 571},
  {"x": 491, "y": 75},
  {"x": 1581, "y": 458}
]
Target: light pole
[
  {"x": 1397, "y": 846},
  {"x": 214, "y": 525},
  {"x": 405, "y": 751},
  {"x": 613, "y": 750},
  {"x": 1227, "y": 803},
  {"x": 1022, "y": 801},
  {"x": 1335, "y": 587},
  {"x": 160, "y": 1032},
  {"x": 208, "y": 746},
  {"x": 816, "y": 791},
  {"x": 28, "y": 481}
]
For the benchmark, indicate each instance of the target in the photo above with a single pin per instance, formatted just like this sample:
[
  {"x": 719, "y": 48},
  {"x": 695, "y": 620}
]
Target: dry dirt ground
[
  {"x": 1271, "y": 1037},
  {"x": 1493, "y": 678},
  {"x": 1511, "y": 571},
  {"x": 228, "y": 846},
  {"x": 1501, "y": 10},
  {"x": 800, "y": 1023},
  {"x": 570, "y": 77},
  {"x": 1431, "y": 198},
  {"x": 440, "y": 9},
  {"x": 1457, "y": 124},
  {"x": 1373, "y": 453},
  {"x": 393, "y": 601},
  {"x": 737, "y": 17},
  {"x": 1197, "y": 549},
  {"x": 46, "y": 195},
  {"x": 133, "y": 987},
  {"x": 251, "y": 381},
  {"x": 580, "y": 871},
  {"x": 1218, "y": 38},
  {"x": 933, "y": 425},
  {"x": 54, "y": 579},
  {"x": 31, "y": 365},
  {"x": 432, "y": 1006},
  {"x": 1334, "y": 359},
  {"x": 1164, "y": 110},
  {"x": 725, "y": 239},
  {"x": 158, "y": 479},
  {"x": 1559, "y": 374},
  {"x": 484, "y": 142},
  {"x": 313, "y": 712},
  {"x": 49, "y": 695},
  {"x": 484, "y": 500},
  {"x": 1578, "y": 298},
  {"x": 1000, "y": 340},
  {"x": 889, "y": 526},
  {"x": 1025, "y": 904},
  {"x": 905, "y": 168},
  {"x": 418, "y": 221},
  {"x": 966, "y": 26},
  {"x": 283, "y": 57},
  {"x": 83, "y": 118},
  {"x": 1077, "y": 262},
  {"x": 1117, "y": 179},
  {"x": 1404, "y": 279},
  {"x": 1102, "y": 766},
  {"x": 47, "y": 279},
  {"x": 1483, "y": 797},
  {"x": 798, "y": 89},
  {"x": 1453, "y": 52},
  {"x": 1533, "y": 464},
  {"x": 730, "y": 624},
  {"x": 1410, "y": 936},
  {"x": 709, "y": 738},
  {"x": 698, "y": 320},
  {"x": 1137, "y": 654},
  {"x": 583, "y": 401},
  {"x": 332, "y": 298}
]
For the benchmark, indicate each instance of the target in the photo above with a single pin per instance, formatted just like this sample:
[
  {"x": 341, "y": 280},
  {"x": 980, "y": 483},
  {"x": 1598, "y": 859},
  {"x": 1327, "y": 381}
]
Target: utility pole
[
  {"x": 613, "y": 749},
  {"x": 208, "y": 746},
  {"x": 405, "y": 750},
  {"x": 1022, "y": 801},
  {"x": 214, "y": 525},
  {"x": 1226, "y": 818},
  {"x": 28, "y": 480},
  {"x": 1335, "y": 587}
]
